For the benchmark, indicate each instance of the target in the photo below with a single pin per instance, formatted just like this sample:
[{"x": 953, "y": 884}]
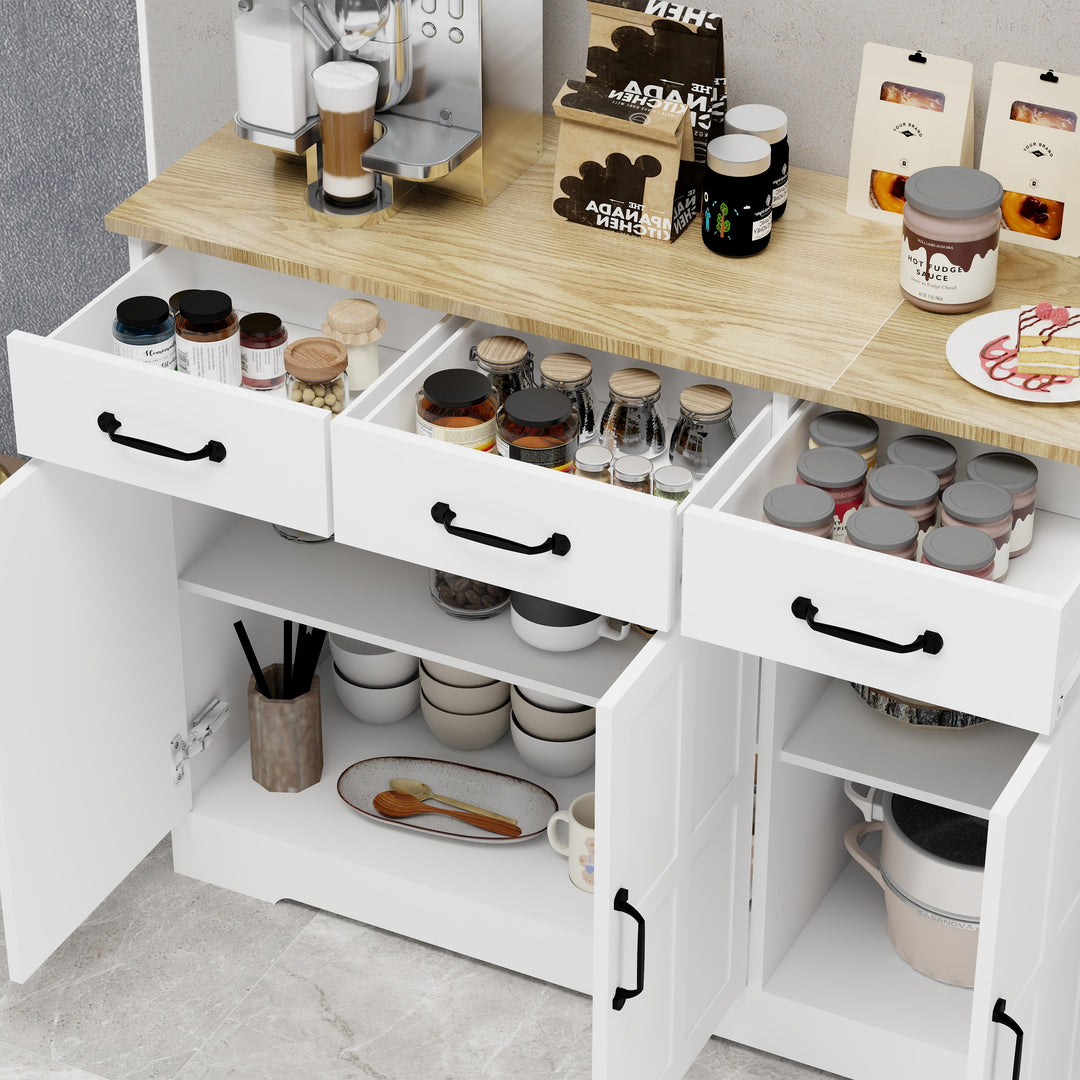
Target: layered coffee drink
[{"x": 345, "y": 91}]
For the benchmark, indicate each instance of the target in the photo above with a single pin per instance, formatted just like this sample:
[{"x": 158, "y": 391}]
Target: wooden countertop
[{"x": 818, "y": 314}]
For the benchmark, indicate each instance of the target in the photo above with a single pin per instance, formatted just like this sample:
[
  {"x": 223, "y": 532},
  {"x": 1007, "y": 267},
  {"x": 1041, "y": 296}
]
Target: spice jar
[
  {"x": 631, "y": 423},
  {"x": 909, "y": 489},
  {"x": 839, "y": 471},
  {"x": 885, "y": 529},
  {"x": 315, "y": 373},
  {"x": 850, "y": 429},
  {"x": 704, "y": 431},
  {"x": 960, "y": 548},
  {"x": 800, "y": 507},
  {"x": 540, "y": 427},
  {"x": 262, "y": 351},
  {"x": 466, "y": 598},
  {"x": 672, "y": 482},
  {"x": 357, "y": 324},
  {"x": 208, "y": 337},
  {"x": 143, "y": 331},
  {"x": 927, "y": 452},
  {"x": 769, "y": 123},
  {"x": 985, "y": 507},
  {"x": 457, "y": 406},
  {"x": 634, "y": 473},
  {"x": 736, "y": 207},
  {"x": 572, "y": 374},
  {"x": 507, "y": 361},
  {"x": 949, "y": 249},
  {"x": 594, "y": 463},
  {"x": 1019, "y": 477}
]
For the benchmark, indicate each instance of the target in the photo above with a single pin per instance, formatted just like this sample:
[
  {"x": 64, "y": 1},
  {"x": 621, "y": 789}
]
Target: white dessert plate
[
  {"x": 528, "y": 803},
  {"x": 982, "y": 351}
]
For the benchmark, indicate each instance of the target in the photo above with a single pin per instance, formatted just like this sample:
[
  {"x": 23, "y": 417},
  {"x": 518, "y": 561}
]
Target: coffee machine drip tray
[{"x": 418, "y": 149}]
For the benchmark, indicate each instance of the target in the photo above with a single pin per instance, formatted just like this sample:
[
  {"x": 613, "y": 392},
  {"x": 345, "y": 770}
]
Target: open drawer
[
  {"x": 276, "y": 463},
  {"x": 622, "y": 555},
  {"x": 1011, "y": 650}
]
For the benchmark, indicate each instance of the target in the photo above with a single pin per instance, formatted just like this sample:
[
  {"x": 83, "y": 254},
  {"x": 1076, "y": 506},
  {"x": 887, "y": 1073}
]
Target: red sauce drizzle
[{"x": 999, "y": 362}]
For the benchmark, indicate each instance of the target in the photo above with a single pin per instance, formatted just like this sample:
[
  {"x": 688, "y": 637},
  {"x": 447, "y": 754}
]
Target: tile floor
[{"x": 173, "y": 978}]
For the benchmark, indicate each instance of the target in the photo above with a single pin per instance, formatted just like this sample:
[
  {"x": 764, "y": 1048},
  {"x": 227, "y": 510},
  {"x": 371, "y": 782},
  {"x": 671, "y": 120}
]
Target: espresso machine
[{"x": 459, "y": 102}]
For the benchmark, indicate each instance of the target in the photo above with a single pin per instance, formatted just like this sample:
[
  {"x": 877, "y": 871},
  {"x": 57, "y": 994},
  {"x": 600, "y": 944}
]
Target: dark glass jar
[
  {"x": 208, "y": 337},
  {"x": 736, "y": 206},
  {"x": 704, "y": 431},
  {"x": 631, "y": 423},
  {"x": 457, "y": 406},
  {"x": 507, "y": 361},
  {"x": 769, "y": 123},
  {"x": 262, "y": 351},
  {"x": 572, "y": 374},
  {"x": 540, "y": 427},
  {"x": 143, "y": 331}
]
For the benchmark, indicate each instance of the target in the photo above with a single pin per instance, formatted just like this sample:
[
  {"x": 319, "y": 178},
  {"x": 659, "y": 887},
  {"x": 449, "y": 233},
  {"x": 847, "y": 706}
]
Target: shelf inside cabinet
[
  {"x": 964, "y": 769},
  {"x": 360, "y": 594}
]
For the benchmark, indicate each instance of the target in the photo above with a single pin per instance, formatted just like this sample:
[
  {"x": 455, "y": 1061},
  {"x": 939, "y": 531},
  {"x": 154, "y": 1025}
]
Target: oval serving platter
[{"x": 513, "y": 796}]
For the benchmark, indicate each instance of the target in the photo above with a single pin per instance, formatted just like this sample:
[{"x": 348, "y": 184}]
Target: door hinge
[{"x": 199, "y": 737}]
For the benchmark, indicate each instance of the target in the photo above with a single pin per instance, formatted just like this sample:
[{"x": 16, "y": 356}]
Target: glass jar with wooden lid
[
  {"x": 704, "y": 431},
  {"x": 631, "y": 424},
  {"x": 458, "y": 406},
  {"x": 358, "y": 325},
  {"x": 507, "y": 361},
  {"x": 540, "y": 427},
  {"x": 315, "y": 373},
  {"x": 572, "y": 374}
]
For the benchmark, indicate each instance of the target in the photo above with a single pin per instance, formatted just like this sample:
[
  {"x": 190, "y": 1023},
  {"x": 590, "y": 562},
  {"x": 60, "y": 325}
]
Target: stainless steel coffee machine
[{"x": 459, "y": 102}]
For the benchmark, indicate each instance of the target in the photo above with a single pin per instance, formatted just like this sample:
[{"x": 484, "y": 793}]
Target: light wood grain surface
[{"x": 818, "y": 314}]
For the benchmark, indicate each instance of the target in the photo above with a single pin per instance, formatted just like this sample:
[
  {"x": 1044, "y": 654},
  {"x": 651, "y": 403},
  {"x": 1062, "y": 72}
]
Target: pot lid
[{"x": 947, "y": 834}]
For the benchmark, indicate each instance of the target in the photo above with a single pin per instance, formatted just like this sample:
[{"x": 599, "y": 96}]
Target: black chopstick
[
  {"x": 253, "y": 662},
  {"x": 287, "y": 661}
]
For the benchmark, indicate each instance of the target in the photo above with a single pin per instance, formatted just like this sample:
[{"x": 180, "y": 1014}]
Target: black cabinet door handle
[
  {"x": 108, "y": 423},
  {"x": 928, "y": 641},
  {"x": 1000, "y": 1016},
  {"x": 623, "y": 905},
  {"x": 556, "y": 543}
]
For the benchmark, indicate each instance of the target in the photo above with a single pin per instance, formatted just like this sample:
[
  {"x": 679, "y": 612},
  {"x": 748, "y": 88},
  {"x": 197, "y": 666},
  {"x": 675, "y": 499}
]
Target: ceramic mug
[
  {"x": 580, "y": 820},
  {"x": 558, "y": 627}
]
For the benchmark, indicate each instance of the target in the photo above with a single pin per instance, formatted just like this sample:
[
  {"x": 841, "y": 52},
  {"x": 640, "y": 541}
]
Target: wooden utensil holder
[{"x": 286, "y": 735}]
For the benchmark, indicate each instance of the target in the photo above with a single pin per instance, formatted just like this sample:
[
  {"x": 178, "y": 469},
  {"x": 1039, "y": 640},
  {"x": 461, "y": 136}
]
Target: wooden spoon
[
  {"x": 400, "y": 804},
  {"x": 423, "y": 792}
]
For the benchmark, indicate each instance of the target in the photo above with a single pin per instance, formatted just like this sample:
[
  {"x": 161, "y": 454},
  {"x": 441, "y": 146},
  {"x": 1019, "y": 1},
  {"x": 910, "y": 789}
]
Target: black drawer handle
[
  {"x": 623, "y": 905},
  {"x": 929, "y": 641},
  {"x": 1000, "y": 1016},
  {"x": 108, "y": 423},
  {"x": 556, "y": 543}
]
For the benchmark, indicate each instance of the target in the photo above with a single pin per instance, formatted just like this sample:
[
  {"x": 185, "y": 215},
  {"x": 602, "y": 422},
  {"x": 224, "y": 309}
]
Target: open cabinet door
[
  {"x": 674, "y": 782},
  {"x": 91, "y": 695}
]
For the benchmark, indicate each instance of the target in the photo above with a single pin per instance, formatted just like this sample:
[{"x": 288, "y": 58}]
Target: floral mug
[{"x": 579, "y": 849}]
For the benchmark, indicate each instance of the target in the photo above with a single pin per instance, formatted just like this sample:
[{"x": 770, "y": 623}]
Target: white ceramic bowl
[
  {"x": 463, "y": 699},
  {"x": 454, "y": 676},
  {"x": 464, "y": 732},
  {"x": 566, "y": 758},
  {"x": 378, "y": 704},
  {"x": 549, "y": 701},
  {"x": 370, "y": 665},
  {"x": 551, "y": 724}
]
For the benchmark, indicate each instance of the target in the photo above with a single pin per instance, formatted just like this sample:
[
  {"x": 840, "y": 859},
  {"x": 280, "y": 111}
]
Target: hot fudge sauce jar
[
  {"x": 961, "y": 549},
  {"x": 839, "y": 472},
  {"x": 540, "y": 427},
  {"x": 985, "y": 507},
  {"x": 208, "y": 337},
  {"x": 143, "y": 331},
  {"x": 1019, "y": 477},
  {"x": 927, "y": 452},
  {"x": 704, "y": 431},
  {"x": 800, "y": 507},
  {"x": 850, "y": 429},
  {"x": 769, "y": 123},
  {"x": 262, "y": 351},
  {"x": 457, "y": 406},
  {"x": 736, "y": 205},
  {"x": 885, "y": 529}
]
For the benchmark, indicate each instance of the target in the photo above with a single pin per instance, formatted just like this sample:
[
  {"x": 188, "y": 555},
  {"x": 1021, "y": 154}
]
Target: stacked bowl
[
  {"x": 462, "y": 709},
  {"x": 555, "y": 736},
  {"x": 376, "y": 684}
]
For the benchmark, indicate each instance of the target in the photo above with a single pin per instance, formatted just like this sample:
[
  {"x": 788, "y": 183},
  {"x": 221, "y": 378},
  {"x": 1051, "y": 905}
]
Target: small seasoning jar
[
  {"x": 800, "y": 507},
  {"x": 143, "y": 331},
  {"x": 949, "y": 247},
  {"x": 262, "y": 351},
  {"x": 927, "y": 452},
  {"x": 540, "y": 427},
  {"x": 850, "y": 429},
  {"x": 1019, "y": 477},
  {"x": 208, "y": 337},
  {"x": 466, "y": 598},
  {"x": 634, "y": 473},
  {"x": 704, "y": 431},
  {"x": 983, "y": 506},
  {"x": 594, "y": 463},
  {"x": 672, "y": 482},
  {"x": 909, "y": 489},
  {"x": 736, "y": 207},
  {"x": 839, "y": 471},
  {"x": 769, "y": 123},
  {"x": 507, "y": 361},
  {"x": 457, "y": 405},
  {"x": 358, "y": 325},
  {"x": 960, "y": 548},
  {"x": 315, "y": 373},
  {"x": 885, "y": 529},
  {"x": 631, "y": 423},
  {"x": 572, "y": 374}
]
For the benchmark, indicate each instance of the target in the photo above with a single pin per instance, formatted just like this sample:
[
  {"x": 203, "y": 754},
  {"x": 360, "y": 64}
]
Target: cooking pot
[{"x": 930, "y": 869}]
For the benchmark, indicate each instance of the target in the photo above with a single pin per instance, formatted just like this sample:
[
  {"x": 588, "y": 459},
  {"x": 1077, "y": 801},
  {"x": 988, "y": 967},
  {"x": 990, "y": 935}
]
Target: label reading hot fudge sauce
[{"x": 948, "y": 272}]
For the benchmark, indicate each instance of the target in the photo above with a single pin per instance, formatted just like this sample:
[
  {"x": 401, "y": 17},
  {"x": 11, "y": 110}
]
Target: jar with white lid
[
  {"x": 1019, "y": 477},
  {"x": 927, "y": 452},
  {"x": 736, "y": 204},
  {"x": 907, "y": 488},
  {"x": 769, "y": 123},
  {"x": 634, "y": 473},
  {"x": 986, "y": 507},
  {"x": 885, "y": 529},
  {"x": 800, "y": 507},
  {"x": 840, "y": 472},
  {"x": 593, "y": 462},
  {"x": 843, "y": 428},
  {"x": 949, "y": 249},
  {"x": 704, "y": 431},
  {"x": 672, "y": 482},
  {"x": 962, "y": 549}
]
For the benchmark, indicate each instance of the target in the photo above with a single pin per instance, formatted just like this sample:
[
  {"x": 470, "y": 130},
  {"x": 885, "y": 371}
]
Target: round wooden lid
[
  {"x": 706, "y": 401},
  {"x": 316, "y": 359},
  {"x": 501, "y": 351},
  {"x": 634, "y": 384},
  {"x": 354, "y": 321},
  {"x": 566, "y": 369}
]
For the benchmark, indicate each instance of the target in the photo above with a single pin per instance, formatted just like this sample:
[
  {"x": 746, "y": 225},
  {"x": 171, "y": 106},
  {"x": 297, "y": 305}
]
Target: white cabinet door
[
  {"x": 674, "y": 781},
  {"x": 92, "y": 695}
]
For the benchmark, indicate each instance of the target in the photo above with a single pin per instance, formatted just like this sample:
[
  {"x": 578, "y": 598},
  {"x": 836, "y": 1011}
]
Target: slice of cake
[{"x": 1048, "y": 341}]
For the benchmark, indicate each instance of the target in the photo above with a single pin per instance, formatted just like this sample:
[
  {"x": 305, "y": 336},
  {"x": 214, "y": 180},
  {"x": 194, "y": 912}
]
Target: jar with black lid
[
  {"x": 540, "y": 427},
  {"x": 631, "y": 423},
  {"x": 704, "y": 431},
  {"x": 736, "y": 207},
  {"x": 457, "y": 406},
  {"x": 769, "y": 123},
  {"x": 507, "y": 361},
  {"x": 143, "y": 331},
  {"x": 262, "y": 350},
  {"x": 572, "y": 374},
  {"x": 208, "y": 337}
]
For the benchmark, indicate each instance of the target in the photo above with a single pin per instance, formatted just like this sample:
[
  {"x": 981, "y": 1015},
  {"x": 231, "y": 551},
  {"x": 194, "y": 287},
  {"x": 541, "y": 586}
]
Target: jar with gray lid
[
  {"x": 736, "y": 205},
  {"x": 909, "y": 489},
  {"x": 839, "y": 471},
  {"x": 769, "y": 123},
  {"x": 800, "y": 507},
  {"x": 962, "y": 549},
  {"x": 672, "y": 482},
  {"x": 949, "y": 249},
  {"x": 986, "y": 507},
  {"x": 704, "y": 431},
  {"x": 850, "y": 429},
  {"x": 507, "y": 361},
  {"x": 885, "y": 529},
  {"x": 594, "y": 463},
  {"x": 1019, "y": 477},
  {"x": 926, "y": 451},
  {"x": 634, "y": 473}
]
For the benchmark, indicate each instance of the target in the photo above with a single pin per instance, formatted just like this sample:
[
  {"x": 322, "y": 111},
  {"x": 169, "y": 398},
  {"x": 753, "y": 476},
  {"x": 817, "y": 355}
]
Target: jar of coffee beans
[{"x": 467, "y": 598}]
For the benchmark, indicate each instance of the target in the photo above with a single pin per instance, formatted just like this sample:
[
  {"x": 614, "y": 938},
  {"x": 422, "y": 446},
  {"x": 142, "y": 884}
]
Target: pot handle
[
  {"x": 615, "y": 635},
  {"x": 852, "y": 841},
  {"x": 869, "y": 803}
]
